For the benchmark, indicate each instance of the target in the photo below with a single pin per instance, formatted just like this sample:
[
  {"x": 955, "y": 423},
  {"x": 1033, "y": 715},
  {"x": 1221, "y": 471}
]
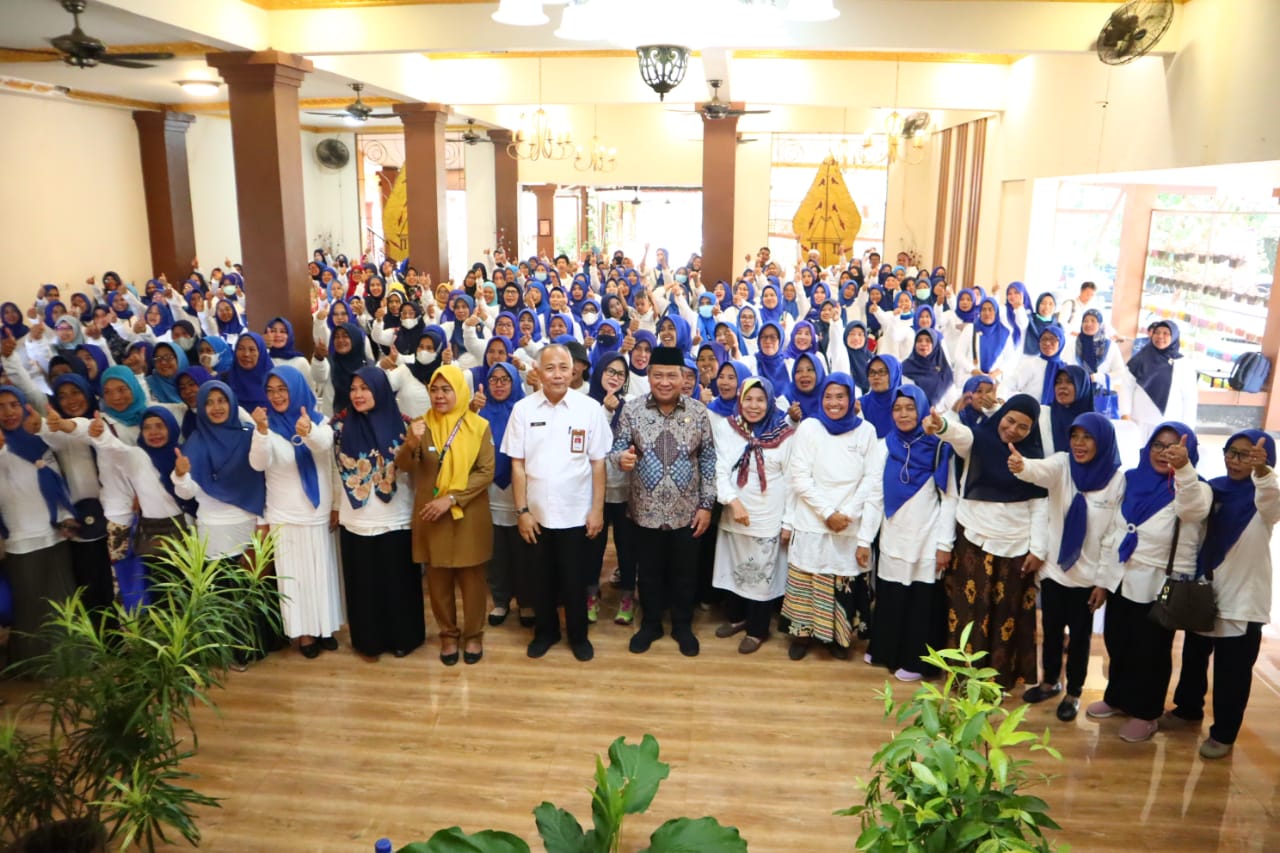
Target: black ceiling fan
[
  {"x": 357, "y": 109},
  {"x": 470, "y": 137},
  {"x": 81, "y": 50},
  {"x": 716, "y": 109}
]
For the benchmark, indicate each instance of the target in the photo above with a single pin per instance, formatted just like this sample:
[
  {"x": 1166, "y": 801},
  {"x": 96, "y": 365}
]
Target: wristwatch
[
  {"x": 522, "y": 510},
  {"x": 453, "y": 499}
]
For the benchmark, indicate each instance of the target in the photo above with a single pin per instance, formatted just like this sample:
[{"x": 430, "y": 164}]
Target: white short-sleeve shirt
[{"x": 558, "y": 442}]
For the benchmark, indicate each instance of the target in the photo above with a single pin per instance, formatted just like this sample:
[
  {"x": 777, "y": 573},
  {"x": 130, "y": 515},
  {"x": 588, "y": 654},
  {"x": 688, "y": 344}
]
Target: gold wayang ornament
[
  {"x": 827, "y": 219},
  {"x": 395, "y": 219}
]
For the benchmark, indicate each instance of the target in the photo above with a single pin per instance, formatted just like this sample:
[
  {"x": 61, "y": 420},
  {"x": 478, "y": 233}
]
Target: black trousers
[
  {"x": 1141, "y": 655},
  {"x": 509, "y": 574},
  {"x": 668, "y": 574},
  {"x": 755, "y": 613},
  {"x": 560, "y": 561},
  {"x": 1233, "y": 660},
  {"x": 91, "y": 566},
  {"x": 707, "y": 591},
  {"x": 385, "y": 609},
  {"x": 1066, "y": 607}
]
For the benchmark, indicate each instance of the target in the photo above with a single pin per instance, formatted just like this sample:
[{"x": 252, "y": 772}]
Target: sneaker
[
  {"x": 641, "y": 640},
  {"x": 1101, "y": 710},
  {"x": 689, "y": 646},
  {"x": 1171, "y": 722},
  {"x": 907, "y": 675},
  {"x": 593, "y": 609},
  {"x": 1212, "y": 749},
  {"x": 539, "y": 647},
  {"x": 1068, "y": 708},
  {"x": 1138, "y": 731},
  {"x": 1039, "y": 693},
  {"x": 866, "y": 658},
  {"x": 584, "y": 651},
  {"x": 626, "y": 610}
]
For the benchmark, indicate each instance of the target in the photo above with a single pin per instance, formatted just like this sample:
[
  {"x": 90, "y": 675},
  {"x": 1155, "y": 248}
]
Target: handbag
[
  {"x": 1106, "y": 402},
  {"x": 93, "y": 524},
  {"x": 1185, "y": 604}
]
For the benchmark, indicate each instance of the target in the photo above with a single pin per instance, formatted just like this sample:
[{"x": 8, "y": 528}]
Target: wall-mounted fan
[
  {"x": 81, "y": 50},
  {"x": 333, "y": 153},
  {"x": 716, "y": 109},
  {"x": 1133, "y": 30},
  {"x": 470, "y": 136},
  {"x": 357, "y": 109}
]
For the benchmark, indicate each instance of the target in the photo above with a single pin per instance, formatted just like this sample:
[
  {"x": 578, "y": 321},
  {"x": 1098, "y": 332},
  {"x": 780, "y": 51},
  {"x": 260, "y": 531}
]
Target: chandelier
[
  {"x": 904, "y": 137},
  {"x": 538, "y": 141},
  {"x": 662, "y": 66},
  {"x": 595, "y": 157}
]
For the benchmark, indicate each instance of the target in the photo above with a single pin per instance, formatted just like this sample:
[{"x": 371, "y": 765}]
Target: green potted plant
[
  {"x": 626, "y": 786},
  {"x": 949, "y": 780},
  {"x": 93, "y": 756}
]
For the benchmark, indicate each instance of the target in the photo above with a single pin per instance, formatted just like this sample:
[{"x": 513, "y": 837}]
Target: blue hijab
[
  {"x": 372, "y": 437},
  {"x": 79, "y": 382},
  {"x": 742, "y": 343},
  {"x": 993, "y": 337},
  {"x": 1062, "y": 418},
  {"x": 773, "y": 367},
  {"x": 223, "y": 350},
  {"x": 727, "y": 408},
  {"x": 774, "y": 314},
  {"x": 1053, "y": 363},
  {"x": 1011, "y": 313},
  {"x": 283, "y": 424},
  {"x": 815, "y": 307},
  {"x": 921, "y": 310},
  {"x": 480, "y": 372},
  {"x": 232, "y": 326},
  {"x": 968, "y": 315},
  {"x": 250, "y": 385},
  {"x": 1091, "y": 351},
  {"x": 790, "y": 306},
  {"x": 792, "y": 351},
  {"x": 1089, "y": 477},
  {"x": 343, "y": 367},
  {"x": 165, "y": 390},
  {"x": 877, "y": 406},
  {"x": 858, "y": 358},
  {"x": 643, "y": 336},
  {"x": 706, "y": 325},
  {"x": 49, "y": 319},
  {"x": 1146, "y": 492},
  {"x": 498, "y": 414},
  {"x": 684, "y": 337},
  {"x": 199, "y": 375},
  {"x": 19, "y": 329},
  {"x": 743, "y": 335},
  {"x": 163, "y": 458},
  {"x": 1233, "y": 508},
  {"x": 1036, "y": 326},
  {"x": 166, "y": 318},
  {"x": 536, "y": 334},
  {"x": 131, "y": 416},
  {"x": 987, "y": 474},
  {"x": 914, "y": 457},
  {"x": 289, "y": 350},
  {"x": 595, "y": 386},
  {"x": 1152, "y": 368},
  {"x": 589, "y": 328},
  {"x": 220, "y": 453},
  {"x": 32, "y": 449},
  {"x": 850, "y": 420},
  {"x": 873, "y": 324},
  {"x": 810, "y": 403},
  {"x": 603, "y": 347},
  {"x": 931, "y": 373}
]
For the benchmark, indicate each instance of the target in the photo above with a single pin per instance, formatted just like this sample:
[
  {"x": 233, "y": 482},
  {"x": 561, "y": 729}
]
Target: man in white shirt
[
  {"x": 1071, "y": 312},
  {"x": 557, "y": 442}
]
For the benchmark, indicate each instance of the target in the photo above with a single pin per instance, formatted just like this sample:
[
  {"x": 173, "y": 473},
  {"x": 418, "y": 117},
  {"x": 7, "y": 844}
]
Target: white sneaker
[{"x": 907, "y": 675}]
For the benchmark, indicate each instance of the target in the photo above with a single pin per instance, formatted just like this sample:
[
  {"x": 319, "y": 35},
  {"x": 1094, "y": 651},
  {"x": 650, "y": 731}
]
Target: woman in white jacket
[
  {"x": 1162, "y": 383},
  {"x": 1237, "y": 551},
  {"x": 828, "y": 598},
  {"x": 1085, "y": 488}
]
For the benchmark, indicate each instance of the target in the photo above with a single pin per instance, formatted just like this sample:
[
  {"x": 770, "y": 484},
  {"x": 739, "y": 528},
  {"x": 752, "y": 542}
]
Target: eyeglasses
[
  {"x": 878, "y": 372},
  {"x": 500, "y": 378},
  {"x": 1237, "y": 455},
  {"x": 1160, "y": 446},
  {"x": 165, "y": 358},
  {"x": 614, "y": 372}
]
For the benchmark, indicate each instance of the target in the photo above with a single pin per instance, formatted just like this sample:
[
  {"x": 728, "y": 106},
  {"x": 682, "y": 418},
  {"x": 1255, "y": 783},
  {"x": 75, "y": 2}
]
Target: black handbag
[
  {"x": 1185, "y": 604},
  {"x": 93, "y": 524}
]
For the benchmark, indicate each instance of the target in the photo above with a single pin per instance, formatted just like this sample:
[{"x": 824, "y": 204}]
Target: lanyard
[{"x": 444, "y": 450}]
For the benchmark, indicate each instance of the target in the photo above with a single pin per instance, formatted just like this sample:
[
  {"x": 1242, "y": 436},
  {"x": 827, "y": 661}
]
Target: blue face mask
[
  {"x": 540, "y": 275},
  {"x": 682, "y": 278},
  {"x": 704, "y": 311}
]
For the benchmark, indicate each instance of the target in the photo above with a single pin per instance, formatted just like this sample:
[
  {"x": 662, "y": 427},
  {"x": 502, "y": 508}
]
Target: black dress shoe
[
  {"x": 400, "y": 653},
  {"x": 1039, "y": 693},
  {"x": 1068, "y": 708},
  {"x": 496, "y": 618},
  {"x": 310, "y": 651},
  {"x": 528, "y": 621},
  {"x": 644, "y": 638},
  {"x": 539, "y": 647},
  {"x": 472, "y": 657},
  {"x": 584, "y": 651},
  {"x": 838, "y": 651},
  {"x": 329, "y": 644},
  {"x": 449, "y": 659},
  {"x": 689, "y": 646},
  {"x": 798, "y": 649}
]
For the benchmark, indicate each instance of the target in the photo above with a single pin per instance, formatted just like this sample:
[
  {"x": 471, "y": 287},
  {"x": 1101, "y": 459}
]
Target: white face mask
[
  {"x": 209, "y": 360},
  {"x": 409, "y": 323},
  {"x": 229, "y": 289},
  {"x": 426, "y": 356},
  {"x": 185, "y": 343},
  {"x": 590, "y": 317}
]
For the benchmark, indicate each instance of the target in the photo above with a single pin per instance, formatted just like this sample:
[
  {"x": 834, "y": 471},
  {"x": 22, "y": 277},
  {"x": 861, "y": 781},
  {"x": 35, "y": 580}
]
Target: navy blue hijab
[
  {"x": 220, "y": 453},
  {"x": 850, "y": 420},
  {"x": 1053, "y": 363},
  {"x": 727, "y": 408},
  {"x": 1147, "y": 491},
  {"x": 498, "y": 414},
  {"x": 858, "y": 358},
  {"x": 163, "y": 458},
  {"x": 931, "y": 373},
  {"x": 301, "y": 399},
  {"x": 810, "y": 403},
  {"x": 1062, "y": 418},
  {"x": 987, "y": 474},
  {"x": 877, "y": 406},
  {"x": 1152, "y": 368},
  {"x": 915, "y": 457},
  {"x": 1233, "y": 507}
]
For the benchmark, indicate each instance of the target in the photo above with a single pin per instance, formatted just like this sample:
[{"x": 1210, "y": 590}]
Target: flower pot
[{"x": 83, "y": 835}]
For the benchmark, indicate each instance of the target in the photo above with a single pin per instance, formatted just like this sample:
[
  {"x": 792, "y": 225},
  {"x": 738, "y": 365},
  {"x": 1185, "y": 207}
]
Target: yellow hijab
[{"x": 455, "y": 466}]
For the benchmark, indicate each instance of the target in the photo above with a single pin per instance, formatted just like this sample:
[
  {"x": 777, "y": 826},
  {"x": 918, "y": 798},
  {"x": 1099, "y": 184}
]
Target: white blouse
[
  {"x": 912, "y": 536},
  {"x": 287, "y": 501},
  {"x": 1144, "y": 572}
]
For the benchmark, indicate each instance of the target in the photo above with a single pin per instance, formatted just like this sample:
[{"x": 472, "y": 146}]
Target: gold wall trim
[
  {"x": 287, "y": 5},
  {"x": 180, "y": 48},
  {"x": 879, "y": 56},
  {"x": 115, "y": 100},
  {"x": 539, "y": 54},
  {"x": 304, "y": 103}
]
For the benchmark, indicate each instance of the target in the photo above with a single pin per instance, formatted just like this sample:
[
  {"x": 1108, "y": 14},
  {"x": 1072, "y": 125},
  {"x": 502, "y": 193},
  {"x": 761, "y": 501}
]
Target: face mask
[
  {"x": 704, "y": 311},
  {"x": 426, "y": 357},
  {"x": 606, "y": 341},
  {"x": 590, "y": 317},
  {"x": 540, "y": 275},
  {"x": 409, "y": 323},
  {"x": 922, "y": 293},
  {"x": 185, "y": 343},
  {"x": 209, "y": 360},
  {"x": 681, "y": 278},
  {"x": 229, "y": 289}
]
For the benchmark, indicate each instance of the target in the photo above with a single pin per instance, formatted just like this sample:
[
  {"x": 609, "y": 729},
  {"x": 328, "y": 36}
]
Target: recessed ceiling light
[{"x": 200, "y": 88}]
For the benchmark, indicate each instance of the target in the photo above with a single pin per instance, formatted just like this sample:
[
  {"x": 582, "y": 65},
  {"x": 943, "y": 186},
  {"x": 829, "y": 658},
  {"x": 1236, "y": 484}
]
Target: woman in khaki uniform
[{"x": 449, "y": 457}]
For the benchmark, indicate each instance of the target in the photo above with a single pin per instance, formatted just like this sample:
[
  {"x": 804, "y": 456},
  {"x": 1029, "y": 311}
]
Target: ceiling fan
[
  {"x": 716, "y": 109},
  {"x": 357, "y": 110},
  {"x": 470, "y": 136},
  {"x": 81, "y": 50}
]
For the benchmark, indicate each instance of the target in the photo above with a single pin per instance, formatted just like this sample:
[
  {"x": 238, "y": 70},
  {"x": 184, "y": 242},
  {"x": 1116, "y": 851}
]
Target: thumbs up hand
[
  {"x": 1258, "y": 458},
  {"x": 627, "y": 461},
  {"x": 479, "y": 400},
  {"x": 303, "y": 426},
  {"x": 260, "y": 419},
  {"x": 97, "y": 428},
  {"x": 181, "y": 467},
  {"x": 1016, "y": 462},
  {"x": 1176, "y": 455},
  {"x": 33, "y": 421},
  {"x": 55, "y": 423}
]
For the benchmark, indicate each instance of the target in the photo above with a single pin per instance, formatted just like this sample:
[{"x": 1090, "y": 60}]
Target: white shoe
[{"x": 907, "y": 676}]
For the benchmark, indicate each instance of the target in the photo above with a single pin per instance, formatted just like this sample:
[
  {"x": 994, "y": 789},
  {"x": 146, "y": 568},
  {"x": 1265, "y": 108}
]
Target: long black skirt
[
  {"x": 909, "y": 618},
  {"x": 385, "y": 609},
  {"x": 37, "y": 579}
]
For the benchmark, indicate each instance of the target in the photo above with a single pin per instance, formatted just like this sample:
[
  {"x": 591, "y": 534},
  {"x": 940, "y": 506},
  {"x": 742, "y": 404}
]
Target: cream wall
[
  {"x": 333, "y": 213},
  {"x": 213, "y": 191},
  {"x": 482, "y": 219},
  {"x": 71, "y": 202}
]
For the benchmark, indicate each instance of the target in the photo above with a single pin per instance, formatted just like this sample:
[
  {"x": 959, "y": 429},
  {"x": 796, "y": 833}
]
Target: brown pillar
[
  {"x": 166, "y": 185},
  {"x": 1271, "y": 346},
  {"x": 546, "y": 195},
  {"x": 719, "y": 172},
  {"x": 1131, "y": 265},
  {"x": 506, "y": 193},
  {"x": 266, "y": 142},
  {"x": 425, "y": 187}
]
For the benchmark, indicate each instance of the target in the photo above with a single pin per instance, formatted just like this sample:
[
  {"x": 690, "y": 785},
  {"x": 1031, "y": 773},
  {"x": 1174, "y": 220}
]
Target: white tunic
[
  {"x": 828, "y": 474},
  {"x": 1144, "y": 572},
  {"x": 750, "y": 559},
  {"x": 1182, "y": 406},
  {"x": 127, "y": 473},
  {"x": 912, "y": 536},
  {"x": 1242, "y": 583},
  {"x": 227, "y": 528},
  {"x": 25, "y": 512}
]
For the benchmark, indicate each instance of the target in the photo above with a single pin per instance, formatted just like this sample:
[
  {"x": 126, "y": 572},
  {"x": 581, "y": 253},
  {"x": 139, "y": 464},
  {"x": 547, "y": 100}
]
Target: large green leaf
[
  {"x": 560, "y": 831},
  {"x": 454, "y": 840},
  {"x": 703, "y": 835},
  {"x": 641, "y": 770}
]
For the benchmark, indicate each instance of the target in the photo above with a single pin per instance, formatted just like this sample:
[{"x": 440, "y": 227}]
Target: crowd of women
[{"x": 896, "y": 458}]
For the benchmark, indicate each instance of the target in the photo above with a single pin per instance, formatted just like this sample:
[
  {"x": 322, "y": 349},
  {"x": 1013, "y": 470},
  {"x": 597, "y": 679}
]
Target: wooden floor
[{"x": 333, "y": 753}]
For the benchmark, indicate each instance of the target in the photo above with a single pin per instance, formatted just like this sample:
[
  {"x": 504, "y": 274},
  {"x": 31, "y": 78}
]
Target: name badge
[
  {"x": 538, "y": 423},
  {"x": 578, "y": 441}
]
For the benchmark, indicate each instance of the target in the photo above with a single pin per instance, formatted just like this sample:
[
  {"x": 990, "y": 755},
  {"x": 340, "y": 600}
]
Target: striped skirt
[{"x": 827, "y": 608}]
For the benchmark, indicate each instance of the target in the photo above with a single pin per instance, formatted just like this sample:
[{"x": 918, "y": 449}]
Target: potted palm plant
[{"x": 93, "y": 756}]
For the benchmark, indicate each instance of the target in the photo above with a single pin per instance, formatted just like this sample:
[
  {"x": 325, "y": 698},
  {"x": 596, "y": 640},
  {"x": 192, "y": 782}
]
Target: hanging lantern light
[{"x": 662, "y": 66}]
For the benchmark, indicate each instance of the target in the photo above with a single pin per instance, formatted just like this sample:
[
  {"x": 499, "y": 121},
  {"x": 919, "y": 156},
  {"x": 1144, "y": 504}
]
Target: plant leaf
[
  {"x": 641, "y": 770},
  {"x": 559, "y": 830},
  {"x": 703, "y": 835},
  {"x": 454, "y": 840}
]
